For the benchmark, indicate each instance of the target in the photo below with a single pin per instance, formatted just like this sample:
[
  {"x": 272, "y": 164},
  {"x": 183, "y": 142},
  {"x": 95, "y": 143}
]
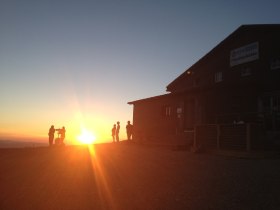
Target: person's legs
[{"x": 51, "y": 140}]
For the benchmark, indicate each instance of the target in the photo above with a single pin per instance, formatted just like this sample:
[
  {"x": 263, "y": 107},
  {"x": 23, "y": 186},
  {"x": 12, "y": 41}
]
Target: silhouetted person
[
  {"x": 118, "y": 131},
  {"x": 129, "y": 130},
  {"x": 114, "y": 133},
  {"x": 51, "y": 135},
  {"x": 62, "y": 134}
]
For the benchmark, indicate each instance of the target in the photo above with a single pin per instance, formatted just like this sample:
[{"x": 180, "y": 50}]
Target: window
[
  {"x": 167, "y": 111},
  {"x": 275, "y": 63},
  {"x": 245, "y": 72},
  {"x": 218, "y": 76}
]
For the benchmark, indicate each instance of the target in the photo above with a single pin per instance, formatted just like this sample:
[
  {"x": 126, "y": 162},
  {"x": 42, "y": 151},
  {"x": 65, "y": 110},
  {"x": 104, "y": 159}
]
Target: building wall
[{"x": 155, "y": 120}]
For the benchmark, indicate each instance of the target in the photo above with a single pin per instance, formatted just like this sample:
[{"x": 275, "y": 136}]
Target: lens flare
[{"x": 86, "y": 137}]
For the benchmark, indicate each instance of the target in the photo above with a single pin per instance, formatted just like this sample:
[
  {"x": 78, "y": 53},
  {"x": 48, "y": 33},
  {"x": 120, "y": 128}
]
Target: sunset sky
[{"x": 76, "y": 63}]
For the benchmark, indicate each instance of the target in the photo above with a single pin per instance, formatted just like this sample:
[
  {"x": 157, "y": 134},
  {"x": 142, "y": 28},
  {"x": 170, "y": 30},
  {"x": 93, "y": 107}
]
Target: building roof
[
  {"x": 263, "y": 28},
  {"x": 149, "y": 99}
]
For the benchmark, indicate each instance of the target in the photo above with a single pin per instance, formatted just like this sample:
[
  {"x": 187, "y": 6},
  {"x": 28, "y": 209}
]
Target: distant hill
[{"x": 20, "y": 144}]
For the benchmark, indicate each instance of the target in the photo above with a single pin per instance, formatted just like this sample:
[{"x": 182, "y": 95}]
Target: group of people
[
  {"x": 116, "y": 131},
  {"x": 60, "y": 138}
]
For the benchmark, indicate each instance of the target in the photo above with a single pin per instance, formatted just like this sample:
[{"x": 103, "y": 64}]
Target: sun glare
[{"x": 86, "y": 137}]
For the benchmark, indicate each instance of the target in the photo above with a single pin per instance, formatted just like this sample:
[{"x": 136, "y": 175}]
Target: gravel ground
[{"x": 125, "y": 176}]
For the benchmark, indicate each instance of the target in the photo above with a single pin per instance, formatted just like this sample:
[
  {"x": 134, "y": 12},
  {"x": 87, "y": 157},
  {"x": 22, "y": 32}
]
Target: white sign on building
[{"x": 244, "y": 54}]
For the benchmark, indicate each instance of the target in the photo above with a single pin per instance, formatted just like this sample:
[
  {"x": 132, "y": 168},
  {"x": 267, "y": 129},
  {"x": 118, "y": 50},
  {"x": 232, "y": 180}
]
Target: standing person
[
  {"x": 62, "y": 134},
  {"x": 129, "y": 130},
  {"x": 51, "y": 135},
  {"x": 114, "y": 133},
  {"x": 118, "y": 131}
]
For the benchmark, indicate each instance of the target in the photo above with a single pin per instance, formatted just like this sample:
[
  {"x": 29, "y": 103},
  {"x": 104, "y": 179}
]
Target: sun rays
[
  {"x": 104, "y": 190},
  {"x": 86, "y": 137}
]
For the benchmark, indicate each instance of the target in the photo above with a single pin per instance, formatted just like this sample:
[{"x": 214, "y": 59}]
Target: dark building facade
[{"x": 238, "y": 80}]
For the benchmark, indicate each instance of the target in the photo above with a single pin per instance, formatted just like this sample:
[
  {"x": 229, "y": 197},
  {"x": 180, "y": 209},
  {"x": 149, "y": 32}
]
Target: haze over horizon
[{"x": 77, "y": 63}]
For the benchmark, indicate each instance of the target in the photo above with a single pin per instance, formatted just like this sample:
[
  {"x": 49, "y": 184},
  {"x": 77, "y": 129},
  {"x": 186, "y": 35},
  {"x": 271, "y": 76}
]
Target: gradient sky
[{"x": 77, "y": 63}]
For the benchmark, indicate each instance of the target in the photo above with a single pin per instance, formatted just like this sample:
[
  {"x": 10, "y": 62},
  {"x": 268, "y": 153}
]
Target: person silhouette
[
  {"x": 62, "y": 134},
  {"x": 51, "y": 135},
  {"x": 129, "y": 130},
  {"x": 114, "y": 133},
  {"x": 118, "y": 131}
]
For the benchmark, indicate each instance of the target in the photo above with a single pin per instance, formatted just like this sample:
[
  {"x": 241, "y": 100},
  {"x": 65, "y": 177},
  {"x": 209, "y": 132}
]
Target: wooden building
[{"x": 237, "y": 81}]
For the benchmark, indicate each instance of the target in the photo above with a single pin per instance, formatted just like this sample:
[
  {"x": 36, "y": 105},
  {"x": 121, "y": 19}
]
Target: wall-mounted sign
[{"x": 244, "y": 54}]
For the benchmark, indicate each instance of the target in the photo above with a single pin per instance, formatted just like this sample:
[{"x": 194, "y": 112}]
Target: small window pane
[{"x": 218, "y": 76}]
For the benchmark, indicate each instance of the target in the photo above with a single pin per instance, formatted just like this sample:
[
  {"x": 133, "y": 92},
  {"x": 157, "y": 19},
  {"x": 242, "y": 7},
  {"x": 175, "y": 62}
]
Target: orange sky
[{"x": 33, "y": 125}]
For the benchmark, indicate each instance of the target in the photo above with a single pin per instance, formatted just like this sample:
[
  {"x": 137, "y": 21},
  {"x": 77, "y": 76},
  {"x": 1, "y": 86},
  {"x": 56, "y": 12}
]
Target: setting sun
[{"x": 86, "y": 137}]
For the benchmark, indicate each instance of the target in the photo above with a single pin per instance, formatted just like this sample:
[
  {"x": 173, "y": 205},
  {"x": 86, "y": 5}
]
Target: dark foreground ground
[{"x": 134, "y": 177}]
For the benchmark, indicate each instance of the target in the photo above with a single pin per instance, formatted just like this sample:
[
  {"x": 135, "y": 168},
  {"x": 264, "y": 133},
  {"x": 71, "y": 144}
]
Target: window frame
[{"x": 219, "y": 77}]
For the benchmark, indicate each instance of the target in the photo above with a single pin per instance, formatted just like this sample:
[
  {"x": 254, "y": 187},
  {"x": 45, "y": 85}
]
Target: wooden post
[
  {"x": 248, "y": 137},
  {"x": 194, "y": 138},
  {"x": 218, "y": 136}
]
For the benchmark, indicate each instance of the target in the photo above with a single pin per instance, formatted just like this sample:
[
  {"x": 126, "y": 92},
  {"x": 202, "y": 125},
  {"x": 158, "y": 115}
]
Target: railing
[
  {"x": 249, "y": 136},
  {"x": 244, "y": 137}
]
